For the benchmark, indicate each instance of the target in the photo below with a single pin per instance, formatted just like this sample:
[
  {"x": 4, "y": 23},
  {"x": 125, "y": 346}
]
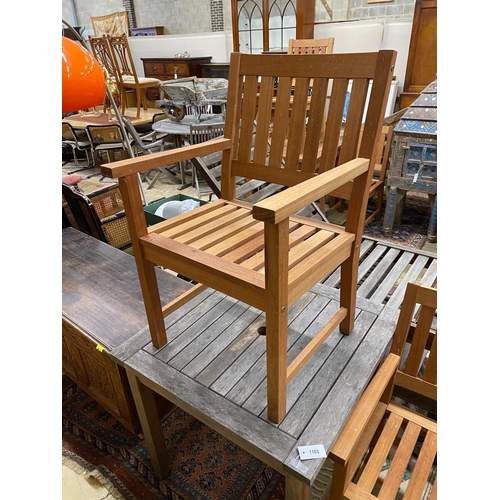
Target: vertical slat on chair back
[
  {"x": 276, "y": 119},
  {"x": 418, "y": 372},
  {"x": 311, "y": 46}
]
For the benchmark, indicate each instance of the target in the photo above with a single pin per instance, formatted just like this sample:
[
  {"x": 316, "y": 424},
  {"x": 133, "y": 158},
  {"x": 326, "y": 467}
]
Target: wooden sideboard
[
  {"x": 168, "y": 68},
  {"x": 102, "y": 308},
  {"x": 148, "y": 31}
]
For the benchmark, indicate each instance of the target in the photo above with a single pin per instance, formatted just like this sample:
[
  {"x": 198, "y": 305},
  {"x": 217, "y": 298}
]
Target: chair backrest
[
  {"x": 201, "y": 132},
  {"x": 68, "y": 132},
  {"x": 111, "y": 24},
  {"x": 311, "y": 46},
  {"x": 415, "y": 340},
  {"x": 102, "y": 52},
  {"x": 276, "y": 133},
  {"x": 122, "y": 56}
]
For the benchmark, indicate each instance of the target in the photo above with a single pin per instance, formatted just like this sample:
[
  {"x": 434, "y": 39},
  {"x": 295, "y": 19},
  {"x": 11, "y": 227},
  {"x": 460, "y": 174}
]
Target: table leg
[
  {"x": 150, "y": 424},
  {"x": 295, "y": 489},
  {"x": 432, "y": 232}
]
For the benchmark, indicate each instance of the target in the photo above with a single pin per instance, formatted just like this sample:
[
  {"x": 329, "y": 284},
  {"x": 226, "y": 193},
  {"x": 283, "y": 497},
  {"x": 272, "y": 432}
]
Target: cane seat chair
[
  {"x": 100, "y": 214},
  {"x": 384, "y": 441},
  {"x": 262, "y": 254},
  {"x": 122, "y": 56}
]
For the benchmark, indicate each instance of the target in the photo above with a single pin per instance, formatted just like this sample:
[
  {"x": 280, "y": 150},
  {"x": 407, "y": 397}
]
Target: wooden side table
[{"x": 102, "y": 308}]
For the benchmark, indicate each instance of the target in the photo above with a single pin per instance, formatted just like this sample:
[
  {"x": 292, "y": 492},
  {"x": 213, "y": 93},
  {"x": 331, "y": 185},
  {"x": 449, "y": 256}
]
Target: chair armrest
[
  {"x": 139, "y": 164},
  {"x": 366, "y": 406},
  {"x": 288, "y": 202}
]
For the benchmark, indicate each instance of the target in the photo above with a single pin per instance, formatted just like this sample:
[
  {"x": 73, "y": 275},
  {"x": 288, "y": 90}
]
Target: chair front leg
[{"x": 276, "y": 268}]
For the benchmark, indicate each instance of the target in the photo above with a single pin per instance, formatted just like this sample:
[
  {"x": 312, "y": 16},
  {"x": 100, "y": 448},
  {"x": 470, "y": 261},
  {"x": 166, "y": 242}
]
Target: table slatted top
[{"x": 214, "y": 364}]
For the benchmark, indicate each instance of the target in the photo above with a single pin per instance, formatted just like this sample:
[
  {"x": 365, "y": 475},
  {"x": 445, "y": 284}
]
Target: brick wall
[{"x": 202, "y": 16}]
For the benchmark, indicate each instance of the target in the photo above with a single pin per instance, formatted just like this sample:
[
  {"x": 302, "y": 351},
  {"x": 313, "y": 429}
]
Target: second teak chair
[{"x": 264, "y": 255}]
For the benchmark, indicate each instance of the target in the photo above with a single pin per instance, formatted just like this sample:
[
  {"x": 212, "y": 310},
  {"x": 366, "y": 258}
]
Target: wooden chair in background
[
  {"x": 122, "y": 56},
  {"x": 263, "y": 254},
  {"x": 383, "y": 439}
]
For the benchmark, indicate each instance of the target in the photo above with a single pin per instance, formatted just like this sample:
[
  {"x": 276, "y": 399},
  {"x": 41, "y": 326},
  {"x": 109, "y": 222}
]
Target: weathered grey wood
[
  {"x": 259, "y": 438},
  {"x": 311, "y": 396},
  {"x": 328, "y": 418},
  {"x": 334, "y": 279},
  {"x": 377, "y": 276},
  {"x": 212, "y": 351},
  {"x": 334, "y": 294},
  {"x": 214, "y": 365},
  {"x": 397, "y": 270}
]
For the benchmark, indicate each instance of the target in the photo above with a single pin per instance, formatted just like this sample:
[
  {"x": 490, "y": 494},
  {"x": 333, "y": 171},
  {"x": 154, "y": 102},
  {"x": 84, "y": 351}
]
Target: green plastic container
[{"x": 150, "y": 210}]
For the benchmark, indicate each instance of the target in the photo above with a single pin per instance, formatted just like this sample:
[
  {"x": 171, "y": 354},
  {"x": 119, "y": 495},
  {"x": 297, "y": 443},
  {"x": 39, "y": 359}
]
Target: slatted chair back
[
  {"x": 416, "y": 342},
  {"x": 264, "y": 254},
  {"x": 388, "y": 448},
  {"x": 311, "y": 46}
]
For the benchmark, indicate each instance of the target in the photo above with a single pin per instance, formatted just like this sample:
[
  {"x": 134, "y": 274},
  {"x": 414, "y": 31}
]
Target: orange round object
[{"x": 83, "y": 84}]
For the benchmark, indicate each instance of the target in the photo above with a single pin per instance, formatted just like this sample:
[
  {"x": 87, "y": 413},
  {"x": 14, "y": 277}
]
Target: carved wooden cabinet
[
  {"x": 102, "y": 308},
  {"x": 421, "y": 68},
  {"x": 168, "y": 68},
  {"x": 267, "y": 25}
]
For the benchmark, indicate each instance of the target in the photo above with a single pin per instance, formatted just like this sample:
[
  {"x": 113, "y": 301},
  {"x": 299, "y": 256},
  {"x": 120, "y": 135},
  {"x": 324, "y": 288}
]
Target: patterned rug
[{"x": 205, "y": 465}]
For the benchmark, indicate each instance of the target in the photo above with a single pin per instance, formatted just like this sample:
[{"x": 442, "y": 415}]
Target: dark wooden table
[
  {"x": 213, "y": 366},
  {"x": 102, "y": 307}
]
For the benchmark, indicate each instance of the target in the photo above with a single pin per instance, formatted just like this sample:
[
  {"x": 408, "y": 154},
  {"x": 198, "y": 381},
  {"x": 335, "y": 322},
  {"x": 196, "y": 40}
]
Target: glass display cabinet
[{"x": 267, "y": 25}]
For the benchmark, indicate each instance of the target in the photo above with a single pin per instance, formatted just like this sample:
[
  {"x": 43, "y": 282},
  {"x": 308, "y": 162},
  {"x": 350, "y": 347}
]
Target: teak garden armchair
[
  {"x": 382, "y": 438},
  {"x": 264, "y": 255}
]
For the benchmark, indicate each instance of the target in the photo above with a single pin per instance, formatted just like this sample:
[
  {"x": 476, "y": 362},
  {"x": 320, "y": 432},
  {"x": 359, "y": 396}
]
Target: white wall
[
  {"x": 370, "y": 36},
  {"x": 350, "y": 36},
  {"x": 218, "y": 45}
]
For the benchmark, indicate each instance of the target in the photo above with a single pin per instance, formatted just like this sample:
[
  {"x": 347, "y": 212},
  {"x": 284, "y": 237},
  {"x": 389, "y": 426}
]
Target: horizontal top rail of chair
[
  {"x": 282, "y": 205},
  {"x": 139, "y": 164},
  {"x": 360, "y": 65}
]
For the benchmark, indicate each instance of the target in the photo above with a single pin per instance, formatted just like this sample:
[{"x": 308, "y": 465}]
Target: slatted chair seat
[{"x": 263, "y": 254}]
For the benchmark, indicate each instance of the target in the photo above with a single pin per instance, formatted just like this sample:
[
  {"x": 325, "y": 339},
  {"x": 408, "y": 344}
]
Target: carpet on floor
[{"x": 204, "y": 464}]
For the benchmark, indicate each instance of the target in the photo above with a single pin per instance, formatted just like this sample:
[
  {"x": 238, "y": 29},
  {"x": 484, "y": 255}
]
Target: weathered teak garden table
[{"x": 213, "y": 366}]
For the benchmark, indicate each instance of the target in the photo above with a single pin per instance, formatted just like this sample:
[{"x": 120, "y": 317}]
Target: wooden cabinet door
[{"x": 421, "y": 68}]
